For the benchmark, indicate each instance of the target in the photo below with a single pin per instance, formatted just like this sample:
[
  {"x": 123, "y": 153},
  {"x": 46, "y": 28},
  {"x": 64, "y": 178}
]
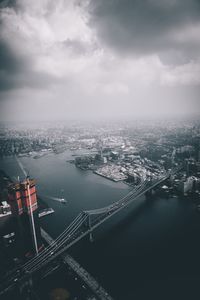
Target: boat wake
[{"x": 61, "y": 200}]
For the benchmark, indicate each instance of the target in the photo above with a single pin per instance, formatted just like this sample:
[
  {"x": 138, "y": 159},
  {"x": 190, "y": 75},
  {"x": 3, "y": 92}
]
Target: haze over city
[
  {"x": 99, "y": 149},
  {"x": 99, "y": 59}
]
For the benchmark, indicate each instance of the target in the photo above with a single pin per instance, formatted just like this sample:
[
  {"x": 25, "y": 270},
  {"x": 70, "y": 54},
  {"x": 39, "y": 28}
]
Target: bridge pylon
[
  {"x": 88, "y": 225},
  {"x": 91, "y": 238}
]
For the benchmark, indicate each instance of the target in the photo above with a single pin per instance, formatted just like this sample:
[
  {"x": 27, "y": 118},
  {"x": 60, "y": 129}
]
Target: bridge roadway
[
  {"x": 98, "y": 290},
  {"x": 83, "y": 225}
]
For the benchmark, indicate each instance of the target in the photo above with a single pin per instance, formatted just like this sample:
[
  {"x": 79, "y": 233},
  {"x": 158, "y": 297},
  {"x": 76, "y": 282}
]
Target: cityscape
[
  {"x": 99, "y": 149},
  {"x": 155, "y": 161}
]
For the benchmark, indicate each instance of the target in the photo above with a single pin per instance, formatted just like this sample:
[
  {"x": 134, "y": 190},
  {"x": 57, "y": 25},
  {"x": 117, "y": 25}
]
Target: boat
[
  {"x": 5, "y": 209},
  {"x": 5, "y": 214},
  {"x": 39, "y": 155},
  {"x": 62, "y": 200},
  {"x": 45, "y": 212}
]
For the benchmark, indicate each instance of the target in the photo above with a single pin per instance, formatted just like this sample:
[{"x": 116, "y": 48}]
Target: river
[{"x": 150, "y": 250}]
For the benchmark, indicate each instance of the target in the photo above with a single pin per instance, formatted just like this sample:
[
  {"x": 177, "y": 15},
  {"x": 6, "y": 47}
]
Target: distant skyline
[{"x": 99, "y": 59}]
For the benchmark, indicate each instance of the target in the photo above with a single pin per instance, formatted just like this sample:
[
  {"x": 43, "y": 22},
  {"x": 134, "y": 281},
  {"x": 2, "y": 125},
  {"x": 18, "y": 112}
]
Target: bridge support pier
[{"x": 89, "y": 225}]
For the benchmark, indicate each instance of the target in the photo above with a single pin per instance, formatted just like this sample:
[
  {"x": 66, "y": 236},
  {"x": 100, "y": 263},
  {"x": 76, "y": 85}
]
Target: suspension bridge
[{"x": 84, "y": 224}]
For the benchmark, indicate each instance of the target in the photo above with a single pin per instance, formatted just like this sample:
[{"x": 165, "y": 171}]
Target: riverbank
[{"x": 151, "y": 244}]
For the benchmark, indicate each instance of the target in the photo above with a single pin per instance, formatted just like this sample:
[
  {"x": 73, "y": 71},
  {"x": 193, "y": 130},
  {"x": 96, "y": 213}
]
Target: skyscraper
[{"x": 23, "y": 201}]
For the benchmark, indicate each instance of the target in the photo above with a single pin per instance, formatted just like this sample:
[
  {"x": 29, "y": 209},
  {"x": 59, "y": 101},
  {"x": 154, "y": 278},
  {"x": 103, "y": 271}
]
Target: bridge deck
[{"x": 97, "y": 289}]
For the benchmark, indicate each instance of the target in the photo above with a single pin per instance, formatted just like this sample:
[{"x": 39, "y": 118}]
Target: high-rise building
[
  {"x": 23, "y": 201},
  {"x": 187, "y": 185}
]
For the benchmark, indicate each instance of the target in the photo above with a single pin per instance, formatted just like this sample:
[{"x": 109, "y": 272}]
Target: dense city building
[{"x": 23, "y": 201}]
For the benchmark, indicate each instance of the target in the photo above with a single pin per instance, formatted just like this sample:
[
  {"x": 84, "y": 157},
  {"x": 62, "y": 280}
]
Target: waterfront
[{"x": 148, "y": 248}]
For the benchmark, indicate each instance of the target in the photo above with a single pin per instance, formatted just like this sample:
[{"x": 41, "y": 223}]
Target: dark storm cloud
[
  {"x": 10, "y": 66},
  {"x": 15, "y": 72},
  {"x": 7, "y": 3},
  {"x": 8, "y": 61},
  {"x": 145, "y": 26},
  {"x": 61, "y": 56}
]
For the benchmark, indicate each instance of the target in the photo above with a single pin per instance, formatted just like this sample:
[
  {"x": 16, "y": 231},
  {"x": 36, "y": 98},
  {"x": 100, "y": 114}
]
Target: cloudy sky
[{"x": 80, "y": 59}]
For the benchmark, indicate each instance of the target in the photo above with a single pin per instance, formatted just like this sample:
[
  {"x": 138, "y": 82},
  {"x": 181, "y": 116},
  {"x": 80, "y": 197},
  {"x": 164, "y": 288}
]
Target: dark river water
[{"x": 151, "y": 250}]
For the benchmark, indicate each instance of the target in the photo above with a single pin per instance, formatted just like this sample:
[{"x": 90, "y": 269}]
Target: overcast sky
[{"x": 80, "y": 59}]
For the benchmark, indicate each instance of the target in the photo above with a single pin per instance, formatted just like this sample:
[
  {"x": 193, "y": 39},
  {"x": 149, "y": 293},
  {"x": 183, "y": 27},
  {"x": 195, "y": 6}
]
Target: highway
[{"x": 96, "y": 288}]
